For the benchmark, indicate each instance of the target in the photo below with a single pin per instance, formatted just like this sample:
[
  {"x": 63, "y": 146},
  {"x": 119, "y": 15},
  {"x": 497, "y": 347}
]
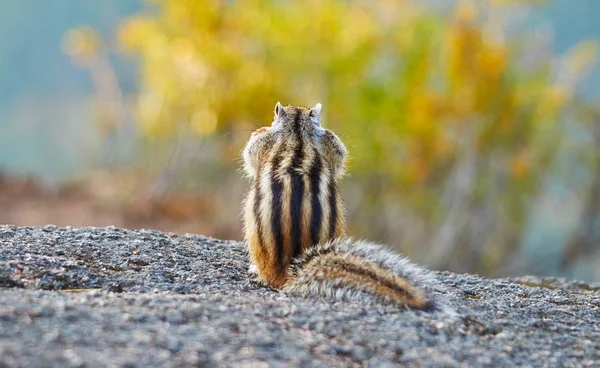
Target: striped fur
[
  {"x": 294, "y": 219},
  {"x": 351, "y": 270},
  {"x": 293, "y": 203}
]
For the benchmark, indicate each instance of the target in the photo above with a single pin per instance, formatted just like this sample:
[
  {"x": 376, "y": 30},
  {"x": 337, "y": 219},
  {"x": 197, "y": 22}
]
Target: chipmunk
[{"x": 294, "y": 220}]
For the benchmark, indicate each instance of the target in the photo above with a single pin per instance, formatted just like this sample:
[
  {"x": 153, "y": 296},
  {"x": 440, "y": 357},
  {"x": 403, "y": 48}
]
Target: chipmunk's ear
[
  {"x": 315, "y": 115},
  {"x": 278, "y": 112}
]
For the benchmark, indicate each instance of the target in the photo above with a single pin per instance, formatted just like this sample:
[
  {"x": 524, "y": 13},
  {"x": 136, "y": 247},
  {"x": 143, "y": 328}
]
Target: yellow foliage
[
  {"x": 82, "y": 44},
  {"x": 417, "y": 94},
  {"x": 519, "y": 165},
  {"x": 391, "y": 66}
]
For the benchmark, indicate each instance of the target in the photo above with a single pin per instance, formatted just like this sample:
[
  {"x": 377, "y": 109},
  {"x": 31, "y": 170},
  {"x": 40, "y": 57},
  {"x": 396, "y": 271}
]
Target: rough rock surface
[{"x": 112, "y": 297}]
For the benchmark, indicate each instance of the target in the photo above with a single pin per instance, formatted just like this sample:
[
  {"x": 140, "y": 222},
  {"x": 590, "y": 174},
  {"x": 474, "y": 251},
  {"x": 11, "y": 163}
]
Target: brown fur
[
  {"x": 292, "y": 134},
  {"x": 352, "y": 272},
  {"x": 295, "y": 222}
]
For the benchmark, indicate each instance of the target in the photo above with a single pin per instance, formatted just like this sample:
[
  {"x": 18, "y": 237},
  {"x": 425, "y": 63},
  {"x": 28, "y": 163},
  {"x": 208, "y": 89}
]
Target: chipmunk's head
[{"x": 294, "y": 129}]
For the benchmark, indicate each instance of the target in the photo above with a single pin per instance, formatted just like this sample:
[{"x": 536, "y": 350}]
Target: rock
[{"x": 98, "y": 296}]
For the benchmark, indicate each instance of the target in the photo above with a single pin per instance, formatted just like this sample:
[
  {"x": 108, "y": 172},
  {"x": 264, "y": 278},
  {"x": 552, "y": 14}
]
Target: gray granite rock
[{"x": 111, "y": 297}]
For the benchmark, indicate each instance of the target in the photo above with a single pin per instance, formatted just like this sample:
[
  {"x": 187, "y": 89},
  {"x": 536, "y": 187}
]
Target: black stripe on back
[
  {"x": 276, "y": 210},
  {"x": 297, "y": 187},
  {"x": 256, "y": 209},
  {"x": 296, "y": 213},
  {"x": 314, "y": 176},
  {"x": 332, "y": 206}
]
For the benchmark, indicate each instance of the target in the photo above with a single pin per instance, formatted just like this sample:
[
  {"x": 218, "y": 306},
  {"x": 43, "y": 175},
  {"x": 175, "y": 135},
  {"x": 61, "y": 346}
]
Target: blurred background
[{"x": 473, "y": 126}]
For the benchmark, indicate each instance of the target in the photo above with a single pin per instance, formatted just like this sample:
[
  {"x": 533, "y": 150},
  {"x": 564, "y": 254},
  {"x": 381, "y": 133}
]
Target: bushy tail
[{"x": 359, "y": 271}]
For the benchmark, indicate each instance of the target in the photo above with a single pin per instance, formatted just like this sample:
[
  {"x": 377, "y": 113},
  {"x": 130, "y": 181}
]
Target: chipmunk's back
[{"x": 294, "y": 202}]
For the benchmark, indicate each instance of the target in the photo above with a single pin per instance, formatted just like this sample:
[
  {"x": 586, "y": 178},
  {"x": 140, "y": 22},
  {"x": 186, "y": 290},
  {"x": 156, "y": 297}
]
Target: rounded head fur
[{"x": 294, "y": 127}]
